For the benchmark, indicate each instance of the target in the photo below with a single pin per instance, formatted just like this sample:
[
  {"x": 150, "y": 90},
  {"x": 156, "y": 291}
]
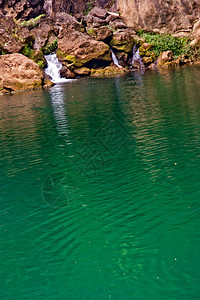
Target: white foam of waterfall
[
  {"x": 114, "y": 58},
  {"x": 136, "y": 58},
  {"x": 53, "y": 69}
]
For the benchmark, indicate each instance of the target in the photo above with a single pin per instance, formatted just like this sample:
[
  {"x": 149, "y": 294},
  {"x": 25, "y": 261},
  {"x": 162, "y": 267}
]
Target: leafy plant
[{"x": 164, "y": 42}]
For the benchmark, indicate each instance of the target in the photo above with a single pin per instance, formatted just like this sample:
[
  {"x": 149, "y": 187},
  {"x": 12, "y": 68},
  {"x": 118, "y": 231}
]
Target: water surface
[{"x": 100, "y": 190}]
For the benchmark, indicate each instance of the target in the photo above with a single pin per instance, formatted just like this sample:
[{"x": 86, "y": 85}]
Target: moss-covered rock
[
  {"x": 80, "y": 49},
  {"x": 50, "y": 47},
  {"x": 18, "y": 72},
  {"x": 108, "y": 71},
  {"x": 38, "y": 57}
]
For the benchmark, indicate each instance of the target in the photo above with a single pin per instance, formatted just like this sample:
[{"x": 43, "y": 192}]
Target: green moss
[
  {"x": 122, "y": 46},
  {"x": 50, "y": 48},
  {"x": 91, "y": 32},
  {"x": 41, "y": 64},
  {"x": 38, "y": 57},
  {"x": 27, "y": 51},
  {"x": 32, "y": 22}
]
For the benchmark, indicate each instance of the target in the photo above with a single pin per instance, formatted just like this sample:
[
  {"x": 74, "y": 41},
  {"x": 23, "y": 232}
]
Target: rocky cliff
[{"x": 163, "y": 15}]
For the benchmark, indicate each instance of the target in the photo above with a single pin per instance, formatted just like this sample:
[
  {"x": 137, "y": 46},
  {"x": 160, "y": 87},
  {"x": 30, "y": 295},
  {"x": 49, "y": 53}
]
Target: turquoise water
[{"x": 99, "y": 194}]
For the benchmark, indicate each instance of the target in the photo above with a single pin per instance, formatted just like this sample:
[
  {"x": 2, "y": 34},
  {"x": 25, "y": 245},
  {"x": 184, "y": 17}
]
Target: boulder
[
  {"x": 80, "y": 49},
  {"x": 18, "y": 72},
  {"x": 117, "y": 24},
  {"x": 165, "y": 58},
  {"x": 108, "y": 71},
  {"x": 123, "y": 40},
  {"x": 98, "y": 12},
  {"x": 101, "y": 33},
  {"x": 82, "y": 71},
  {"x": 63, "y": 18},
  {"x": 66, "y": 73}
]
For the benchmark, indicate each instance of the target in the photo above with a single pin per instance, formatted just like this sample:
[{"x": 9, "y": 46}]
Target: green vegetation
[
  {"x": 32, "y": 22},
  {"x": 41, "y": 64},
  {"x": 26, "y": 50},
  {"x": 89, "y": 6},
  {"x": 50, "y": 47},
  {"x": 164, "y": 42}
]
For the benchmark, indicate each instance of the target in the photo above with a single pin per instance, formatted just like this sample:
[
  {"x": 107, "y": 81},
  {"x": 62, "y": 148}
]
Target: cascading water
[
  {"x": 53, "y": 69},
  {"x": 137, "y": 62},
  {"x": 114, "y": 58}
]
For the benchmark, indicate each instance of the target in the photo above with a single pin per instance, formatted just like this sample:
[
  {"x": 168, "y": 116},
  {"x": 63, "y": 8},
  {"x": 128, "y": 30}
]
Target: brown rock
[
  {"x": 82, "y": 71},
  {"x": 43, "y": 33},
  {"x": 70, "y": 21},
  {"x": 8, "y": 39},
  {"x": 101, "y": 33},
  {"x": 147, "y": 60},
  {"x": 13, "y": 37},
  {"x": 196, "y": 34},
  {"x": 168, "y": 15},
  {"x": 66, "y": 73},
  {"x": 18, "y": 72},
  {"x": 117, "y": 24},
  {"x": 123, "y": 40},
  {"x": 164, "y": 58},
  {"x": 98, "y": 12},
  {"x": 110, "y": 70},
  {"x": 70, "y": 6},
  {"x": 80, "y": 49},
  {"x": 22, "y": 9}
]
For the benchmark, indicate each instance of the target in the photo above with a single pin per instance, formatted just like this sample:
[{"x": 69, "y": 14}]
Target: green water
[{"x": 99, "y": 189}]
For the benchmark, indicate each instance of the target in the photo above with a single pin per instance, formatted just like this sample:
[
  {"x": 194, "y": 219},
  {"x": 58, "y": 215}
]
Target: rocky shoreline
[{"x": 85, "y": 46}]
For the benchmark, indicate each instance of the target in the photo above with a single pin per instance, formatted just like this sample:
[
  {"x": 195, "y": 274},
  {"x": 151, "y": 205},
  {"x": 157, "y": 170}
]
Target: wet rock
[
  {"x": 108, "y": 71},
  {"x": 123, "y": 40},
  {"x": 80, "y": 49},
  {"x": 18, "y": 72},
  {"x": 38, "y": 57},
  {"x": 147, "y": 60},
  {"x": 165, "y": 58},
  {"x": 66, "y": 73},
  {"x": 82, "y": 71}
]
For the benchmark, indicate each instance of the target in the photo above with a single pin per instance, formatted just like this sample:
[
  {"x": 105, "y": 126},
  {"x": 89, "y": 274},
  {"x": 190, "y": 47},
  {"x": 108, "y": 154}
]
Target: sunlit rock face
[
  {"x": 163, "y": 15},
  {"x": 17, "y": 72}
]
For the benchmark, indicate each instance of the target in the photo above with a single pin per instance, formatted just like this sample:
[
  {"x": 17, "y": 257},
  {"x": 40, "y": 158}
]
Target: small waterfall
[
  {"x": 53, "y": 69},
  {"x": 137, "y": 62},
  {"x": 114, "y": 58}
]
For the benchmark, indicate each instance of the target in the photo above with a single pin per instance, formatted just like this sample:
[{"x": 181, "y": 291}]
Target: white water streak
[
  {"x": 114, "y": 58},
  {"x": 53, "y": 69}
]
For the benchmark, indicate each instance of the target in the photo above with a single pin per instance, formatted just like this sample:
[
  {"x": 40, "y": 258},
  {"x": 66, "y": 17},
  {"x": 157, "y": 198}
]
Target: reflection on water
[{"x": 100, "y": 189}]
